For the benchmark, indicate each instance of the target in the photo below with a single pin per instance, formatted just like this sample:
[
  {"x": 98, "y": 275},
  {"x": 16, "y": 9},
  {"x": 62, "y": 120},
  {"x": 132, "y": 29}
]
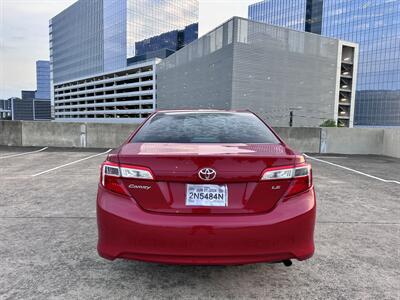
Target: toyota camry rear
[{"x": 205, "y": 187}]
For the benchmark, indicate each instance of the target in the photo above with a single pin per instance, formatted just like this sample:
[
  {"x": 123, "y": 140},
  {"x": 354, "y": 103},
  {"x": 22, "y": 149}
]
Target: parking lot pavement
[
  {"x": 48, "y": 238},
  {"x": 5, "y": 151}
]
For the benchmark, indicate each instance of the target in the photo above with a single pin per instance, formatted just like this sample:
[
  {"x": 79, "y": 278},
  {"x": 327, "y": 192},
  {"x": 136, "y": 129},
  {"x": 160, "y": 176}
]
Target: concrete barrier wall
[
  {"x": 10, "y": 133},
  {"x": 108, "y": 136},
  {"x": 303, "y": 139},
  {"x": 51, "y": 134},
  {"x": 391, "y": 142},
  {"x": 95, "y": 135},
  {"x": 352, "y": 140}
]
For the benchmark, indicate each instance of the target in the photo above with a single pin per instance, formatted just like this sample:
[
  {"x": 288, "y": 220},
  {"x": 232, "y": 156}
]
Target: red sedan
[{"x": 205, "y": 187}]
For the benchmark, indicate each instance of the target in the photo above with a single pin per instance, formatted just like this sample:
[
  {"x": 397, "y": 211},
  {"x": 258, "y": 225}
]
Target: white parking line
[
  {"x": 24, "y": 153},
  {"x": 352, "y": 170},
  {"x": 70, "y": 163}
]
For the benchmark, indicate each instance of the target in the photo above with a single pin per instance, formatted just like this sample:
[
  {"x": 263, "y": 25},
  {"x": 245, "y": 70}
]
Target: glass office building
[
  {"x": 374, "y": 25},
  {"x": 76, "y": 41},
  {"x": 148, "y": 18},
  {"x": 172, "y": 40},
  {"x": 97, "y": 36},
  {"x": 42, "y": 80},
  {"x": 285, "y": 13}
]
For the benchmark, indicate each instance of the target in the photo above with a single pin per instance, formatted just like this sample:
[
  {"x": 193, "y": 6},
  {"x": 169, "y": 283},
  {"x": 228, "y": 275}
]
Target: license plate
[{"x": 206, "y": 195}]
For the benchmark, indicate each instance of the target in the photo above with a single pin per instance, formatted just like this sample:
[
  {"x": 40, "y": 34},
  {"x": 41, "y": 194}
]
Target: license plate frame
[{"x": 206, "y": 195}]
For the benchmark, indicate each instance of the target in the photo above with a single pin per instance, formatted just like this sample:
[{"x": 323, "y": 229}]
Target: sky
[{"x": 24, "y": 35}]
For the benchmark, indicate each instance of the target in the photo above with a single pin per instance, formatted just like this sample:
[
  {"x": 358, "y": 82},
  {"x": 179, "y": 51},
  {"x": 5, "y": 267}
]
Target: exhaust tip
[{"x": 287, "y": 262}]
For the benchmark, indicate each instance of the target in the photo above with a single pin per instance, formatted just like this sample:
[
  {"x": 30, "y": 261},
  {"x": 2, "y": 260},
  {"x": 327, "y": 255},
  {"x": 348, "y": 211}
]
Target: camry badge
[
  {"x": 141, "y": 187},
  {"x": 207, "y": 174}
]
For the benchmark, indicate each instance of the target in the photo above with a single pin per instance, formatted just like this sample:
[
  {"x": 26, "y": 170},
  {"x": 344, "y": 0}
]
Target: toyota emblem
[{"x": 207, "y": 174}]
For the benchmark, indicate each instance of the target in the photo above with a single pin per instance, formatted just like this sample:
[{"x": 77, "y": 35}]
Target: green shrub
[{"x": 328, "y": 123}]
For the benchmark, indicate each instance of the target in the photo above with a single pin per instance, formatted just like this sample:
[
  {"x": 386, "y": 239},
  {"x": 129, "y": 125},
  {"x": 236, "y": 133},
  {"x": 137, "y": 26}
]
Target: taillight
[
  {"x": 301, "y": 177},
  {"x": 112, "y": 173}
]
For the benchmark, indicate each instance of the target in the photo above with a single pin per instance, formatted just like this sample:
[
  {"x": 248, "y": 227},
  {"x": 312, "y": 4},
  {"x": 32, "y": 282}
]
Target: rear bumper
[{"x": 127, "y": 231}]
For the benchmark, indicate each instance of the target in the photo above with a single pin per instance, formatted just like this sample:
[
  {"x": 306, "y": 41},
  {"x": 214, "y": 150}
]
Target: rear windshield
[{"x": 204, "y": 127}]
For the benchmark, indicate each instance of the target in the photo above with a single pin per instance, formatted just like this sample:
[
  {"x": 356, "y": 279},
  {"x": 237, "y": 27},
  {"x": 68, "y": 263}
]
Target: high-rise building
[
  {"x": 42, "y": 80},
  {"x": 95, "y": 36},
  {"x": 27, "y": 108},
  {"x": 104, "y": 53},
  {"x": 374, "y": 25},
  {"x": 27, "y": 95},
  {"x": 274, "y": 71},
  {"x": 33, "y": 105},
  {"x": 163, "y": 45}
]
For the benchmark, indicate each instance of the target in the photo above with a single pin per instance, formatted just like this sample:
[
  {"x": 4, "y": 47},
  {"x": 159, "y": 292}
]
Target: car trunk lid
[{"x": 174, "y": 166}]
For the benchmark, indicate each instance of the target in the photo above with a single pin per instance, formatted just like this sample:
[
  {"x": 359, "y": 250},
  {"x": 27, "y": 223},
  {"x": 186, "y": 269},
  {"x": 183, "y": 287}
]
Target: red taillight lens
[
  {"x": 114, "y": 184},
  {"x": 300, "y": 176},
  {"x": 110, "y": 177},
  {"x": 112, "y": 174},
  {"x": 300, "y": 183}
]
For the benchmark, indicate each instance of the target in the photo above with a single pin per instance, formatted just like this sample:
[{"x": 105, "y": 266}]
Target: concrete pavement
[{"x": 48, "y": 239}]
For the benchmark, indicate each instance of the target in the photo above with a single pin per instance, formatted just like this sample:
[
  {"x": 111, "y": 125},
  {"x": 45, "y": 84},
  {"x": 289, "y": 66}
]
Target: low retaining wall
[
  {"x": 57, "y": 134},
  {"x": 304, "y": 139},
  {"x": 391, "y": 142},
  {"x": 10, "y": 133},
  {"x": 352, "y": 140},
  {"x": 95, "y": 135},
  {"x": 51, "y": 134},
  {"x": 108, "y": 135}
]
